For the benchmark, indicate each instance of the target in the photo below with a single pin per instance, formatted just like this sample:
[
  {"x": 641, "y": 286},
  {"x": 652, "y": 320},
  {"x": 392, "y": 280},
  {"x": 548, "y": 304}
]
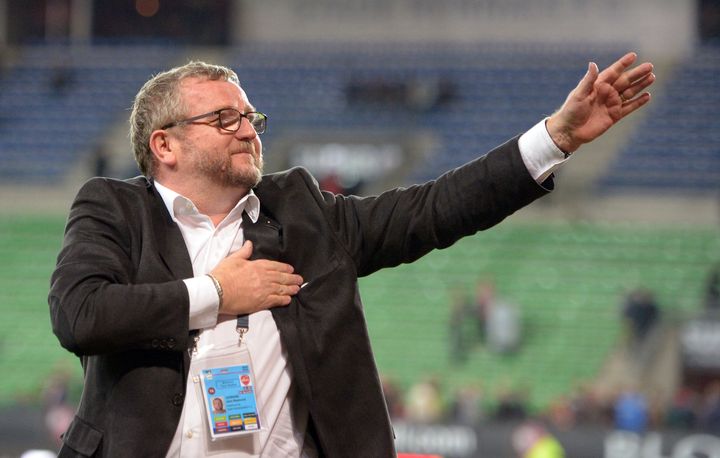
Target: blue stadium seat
[
  {"x": 677, "y": 147},
  {"x": 46, "y": 129}
]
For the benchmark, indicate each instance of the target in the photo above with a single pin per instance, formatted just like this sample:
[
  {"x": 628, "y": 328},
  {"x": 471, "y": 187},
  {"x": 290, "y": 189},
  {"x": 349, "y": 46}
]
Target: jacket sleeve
[
  {"x": 403, "y": 224},
  {"x": 98, "y": 302}
]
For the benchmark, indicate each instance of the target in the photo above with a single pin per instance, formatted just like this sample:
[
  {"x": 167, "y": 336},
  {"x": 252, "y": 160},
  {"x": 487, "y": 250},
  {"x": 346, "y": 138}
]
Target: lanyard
[{"x": 242, "y": 327}]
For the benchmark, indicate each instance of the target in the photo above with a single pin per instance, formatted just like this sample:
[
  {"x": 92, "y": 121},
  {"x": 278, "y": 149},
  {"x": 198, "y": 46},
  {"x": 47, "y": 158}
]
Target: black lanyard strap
[{"x": 242, "y": 327}]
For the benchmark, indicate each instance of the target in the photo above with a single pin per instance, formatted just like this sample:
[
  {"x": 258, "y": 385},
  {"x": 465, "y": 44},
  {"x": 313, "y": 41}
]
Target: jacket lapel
[
  {"x": 168, "y": 237},
  {"x": 265, "y": 234},
  {"x": 269, "y": 243}
]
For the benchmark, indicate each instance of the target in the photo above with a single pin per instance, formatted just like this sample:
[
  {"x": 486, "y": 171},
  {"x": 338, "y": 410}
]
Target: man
[
  {"x": 157, "y": 272},
  {"x": 218, "y": 406}
]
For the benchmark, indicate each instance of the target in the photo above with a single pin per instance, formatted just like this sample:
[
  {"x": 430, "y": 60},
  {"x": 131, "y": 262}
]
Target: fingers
[
  {"x": 279, "y": 300},
  {"x": 278, "y": 292},
  {"x": 585, "y": 87},
  {"x": 636, "y": 87},
  {"x": 628, "y": 83},
  {"x": 250, "y": 286},
  {"x": 275, "y": 266},
  {"x": 282, "y": 290},
  {"x": 614, "y": 71},
  {"x": 245, "y": 250},
  {"x": 285, "y": 280},
  {"x": 631, "y": 76},
  {"x": 632, "y": 105}
]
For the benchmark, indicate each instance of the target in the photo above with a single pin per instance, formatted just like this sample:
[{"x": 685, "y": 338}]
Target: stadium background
[{"x": 371, "y": 94}]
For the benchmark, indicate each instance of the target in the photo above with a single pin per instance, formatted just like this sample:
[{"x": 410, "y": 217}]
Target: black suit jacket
[{"x": 117, "y": 299}]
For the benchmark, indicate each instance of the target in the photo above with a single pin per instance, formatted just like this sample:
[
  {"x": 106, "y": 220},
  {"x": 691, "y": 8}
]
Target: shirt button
[{"x": 189, "y": 434}]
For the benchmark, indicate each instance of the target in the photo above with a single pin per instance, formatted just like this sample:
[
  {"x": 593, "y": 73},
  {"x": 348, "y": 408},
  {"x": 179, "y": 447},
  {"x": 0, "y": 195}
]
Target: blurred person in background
[
  {"x": 393, "y": 398},
  {"x": 157, "y": 273},
  {"x": 709, "y": 409},
  {"x": 641, "y": 315},
  {"x": 423, "y": 402},
  {"x": 561, "y": 413},
  {"x": 484, "y": 295},
  {"x": 631, "y": 410},
  {"x": 58, "y": 410},
  {"x": 100, "y": 160},
  {"x": 498, "y": 320},
  {"x": 712, "y": 290},
  {"x": 682, "y": 412},
  {"x": 459, "y": 337},
  {"x": 512, "y": 402},
  {"x": 503, "y": 326},
  {"x": 466, "y": 407},
  {"x": 533, "y": 440}
]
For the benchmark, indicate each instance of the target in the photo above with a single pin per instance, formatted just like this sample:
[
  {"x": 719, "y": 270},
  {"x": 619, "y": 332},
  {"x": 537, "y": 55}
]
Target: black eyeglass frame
[{"x": 217, "y": 113}]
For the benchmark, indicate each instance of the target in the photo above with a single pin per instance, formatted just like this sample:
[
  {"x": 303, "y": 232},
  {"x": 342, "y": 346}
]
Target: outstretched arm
[{"x": 600, "y": 100}]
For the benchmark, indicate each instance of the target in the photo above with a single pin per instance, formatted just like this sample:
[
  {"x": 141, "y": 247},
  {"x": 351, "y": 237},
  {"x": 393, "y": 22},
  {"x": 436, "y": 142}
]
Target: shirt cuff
[
  {"x": 540, "y": 153},
  {"x": 204, "y": 302}
]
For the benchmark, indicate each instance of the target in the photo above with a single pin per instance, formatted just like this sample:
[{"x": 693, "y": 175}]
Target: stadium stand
[
  {"x": 496, "y": 91},
  {"x": 568, "y": 279},
  {"x": 28, "y": 246},
  {"x": 59, "y": 101},
  {"x": 676, "y": 147},
  {"x": 566, "y": 261}
]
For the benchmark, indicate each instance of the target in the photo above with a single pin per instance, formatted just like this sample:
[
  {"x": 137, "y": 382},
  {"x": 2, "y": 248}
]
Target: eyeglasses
[{"x": 229, "y": 119}]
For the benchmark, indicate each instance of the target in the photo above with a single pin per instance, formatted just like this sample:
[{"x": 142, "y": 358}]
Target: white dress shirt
[
  {"x": 207, "y": 245},
  {"x": 285, "y": 422}
]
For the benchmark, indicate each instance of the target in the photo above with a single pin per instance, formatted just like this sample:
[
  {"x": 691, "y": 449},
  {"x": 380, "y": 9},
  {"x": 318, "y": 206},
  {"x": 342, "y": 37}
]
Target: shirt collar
[{"x": 178, "y": 204}]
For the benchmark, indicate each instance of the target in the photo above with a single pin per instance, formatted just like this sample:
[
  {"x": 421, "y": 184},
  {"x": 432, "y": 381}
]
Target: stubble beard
[
  {"x": 248, "y": 175},
  {"x": 220, "y": 168}
]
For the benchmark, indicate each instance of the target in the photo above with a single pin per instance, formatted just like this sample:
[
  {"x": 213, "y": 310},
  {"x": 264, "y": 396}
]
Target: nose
[{"x": 246, "y": 130}]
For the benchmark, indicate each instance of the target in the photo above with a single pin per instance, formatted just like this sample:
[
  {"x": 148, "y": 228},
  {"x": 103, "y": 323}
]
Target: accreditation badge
[{"x": 229, "y": 397}]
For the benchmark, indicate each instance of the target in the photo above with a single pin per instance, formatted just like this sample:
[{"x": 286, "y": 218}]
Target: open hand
[
  {"x": 250, "y": 286},
  {"x": 599, "y": 101}
]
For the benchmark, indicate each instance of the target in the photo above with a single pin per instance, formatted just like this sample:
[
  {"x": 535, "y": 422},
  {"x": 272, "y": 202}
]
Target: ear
[{"x": 162, "y": 147}]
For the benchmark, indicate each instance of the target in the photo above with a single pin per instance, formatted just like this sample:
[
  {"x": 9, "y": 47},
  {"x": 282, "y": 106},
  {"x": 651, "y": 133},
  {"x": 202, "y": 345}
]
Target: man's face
[{"x": 228, "y": 158}]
